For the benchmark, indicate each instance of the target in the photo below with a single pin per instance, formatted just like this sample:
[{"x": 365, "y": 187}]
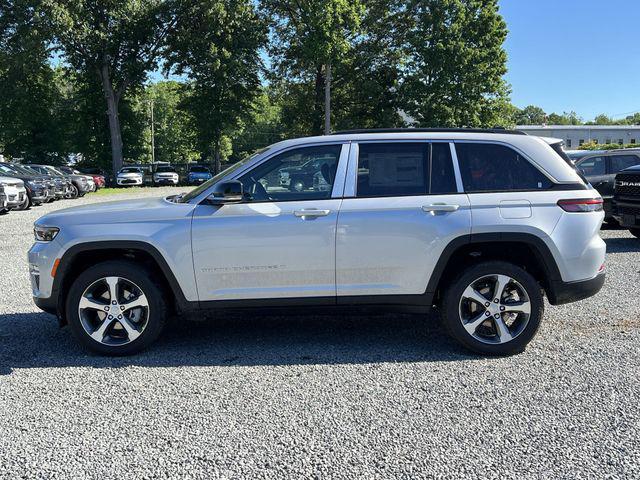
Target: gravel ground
[{"x": 341, "y": 397}]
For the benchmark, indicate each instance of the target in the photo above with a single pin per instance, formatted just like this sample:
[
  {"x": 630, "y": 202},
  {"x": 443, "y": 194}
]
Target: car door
[
  {"x": 280, "y": 241},
  {"x": 403, "y": 205}
]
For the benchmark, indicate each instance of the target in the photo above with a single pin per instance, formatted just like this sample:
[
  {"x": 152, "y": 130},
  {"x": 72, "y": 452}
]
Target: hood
[
  {"x": 129, "y": 174},
  {"x": 635, "y": 169},
  {"x": 112, "y": 213},
  {"x": 11, "y": 181}
]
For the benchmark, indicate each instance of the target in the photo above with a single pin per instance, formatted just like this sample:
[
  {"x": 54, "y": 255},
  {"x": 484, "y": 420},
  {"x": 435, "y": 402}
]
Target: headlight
[{"x": 45, "y": 234}]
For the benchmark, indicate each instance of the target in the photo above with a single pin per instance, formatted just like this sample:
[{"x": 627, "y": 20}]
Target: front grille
[
  {"x": 629, "y": 211},
  {"x": 628, "y": 189}
]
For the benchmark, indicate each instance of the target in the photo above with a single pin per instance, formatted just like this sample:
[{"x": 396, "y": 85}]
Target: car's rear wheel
[
  {"x": 493, "y": 308},
  {"x": 114, "y": 308},
  {"x": 635, "y": 232}
]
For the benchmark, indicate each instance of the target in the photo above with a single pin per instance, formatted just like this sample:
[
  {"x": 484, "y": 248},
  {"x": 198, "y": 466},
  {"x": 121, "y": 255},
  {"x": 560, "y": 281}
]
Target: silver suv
[{"x": 479, "y": 223}]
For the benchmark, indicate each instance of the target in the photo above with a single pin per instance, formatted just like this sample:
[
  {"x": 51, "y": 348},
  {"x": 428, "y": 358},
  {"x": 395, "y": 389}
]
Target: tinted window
[
  {"x": 392, "y": 169},
  {"x": 495, "y": 168},
  {"x": 300, "y": 174},
  {"x": 443, "y": 179},
  {"x": 620, "y": 162},
  {"x": 593, "y": 166},
  {"x": 166, "y": 169},
  {"x": 199, "y": 170}
]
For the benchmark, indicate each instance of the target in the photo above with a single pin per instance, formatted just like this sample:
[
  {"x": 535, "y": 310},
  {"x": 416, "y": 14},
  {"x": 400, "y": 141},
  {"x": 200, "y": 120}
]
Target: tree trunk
[
  {"x": 327, "y": 99},
  {"x": 115, "y": 132},
  {"x": 318, "y": 104}
]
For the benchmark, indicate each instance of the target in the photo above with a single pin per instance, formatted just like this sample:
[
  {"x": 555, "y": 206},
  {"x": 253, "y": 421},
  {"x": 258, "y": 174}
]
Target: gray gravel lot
[{"x": 341, "y": 397}]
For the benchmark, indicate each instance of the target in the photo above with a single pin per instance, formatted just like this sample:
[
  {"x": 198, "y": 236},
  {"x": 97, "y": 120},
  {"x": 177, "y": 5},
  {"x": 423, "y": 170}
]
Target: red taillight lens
[{"x": 582, "y": 205}]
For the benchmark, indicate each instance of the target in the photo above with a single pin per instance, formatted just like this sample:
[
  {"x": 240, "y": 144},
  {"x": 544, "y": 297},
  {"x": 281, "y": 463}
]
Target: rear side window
[
  {"x": 593, "y": 166},
  {"x": 620, "y": 162},
  {"x": 404, "y": 169},
  {"x": 497, "y": 168}
]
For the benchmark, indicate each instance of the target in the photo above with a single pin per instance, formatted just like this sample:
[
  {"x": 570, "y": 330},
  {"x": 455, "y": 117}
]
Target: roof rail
[{"x": 430, "y": 130}]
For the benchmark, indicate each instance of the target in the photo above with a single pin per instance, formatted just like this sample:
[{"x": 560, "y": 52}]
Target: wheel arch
[
  {"x": 81, "y": 256},
  {"x": 523, "y": 249}
]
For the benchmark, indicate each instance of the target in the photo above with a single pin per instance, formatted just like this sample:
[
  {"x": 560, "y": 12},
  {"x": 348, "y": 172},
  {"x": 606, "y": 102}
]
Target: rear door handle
[
  {"x": 440, "y": 207},
  {"x": 311, "y": 212}
]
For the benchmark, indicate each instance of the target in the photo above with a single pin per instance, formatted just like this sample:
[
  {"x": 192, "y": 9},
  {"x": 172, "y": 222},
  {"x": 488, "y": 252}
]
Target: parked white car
[
  {"x": 166, "y": 175},
  {"x": 480, "y": 224},
  {"x": 14, "y": 192},
  {"x": 130, "y": 176}
]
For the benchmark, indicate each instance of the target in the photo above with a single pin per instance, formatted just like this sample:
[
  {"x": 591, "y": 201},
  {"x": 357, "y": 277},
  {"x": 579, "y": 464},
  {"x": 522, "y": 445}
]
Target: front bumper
[
  {"x": 129, "y": 181},
  {"x": 627, "y": 214},
  {"x": 561, "y": 292},
  {"x": 15, "y": 196},
  {"x": 166, "y": 181}
]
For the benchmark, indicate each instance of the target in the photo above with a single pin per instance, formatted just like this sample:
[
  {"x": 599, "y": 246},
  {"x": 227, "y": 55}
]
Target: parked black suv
[
  {"x": 600, "y": 169},
  {"x": 627, "y": 199}
]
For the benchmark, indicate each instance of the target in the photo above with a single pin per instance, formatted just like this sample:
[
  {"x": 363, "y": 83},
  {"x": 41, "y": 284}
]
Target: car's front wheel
[
  {"x": 493, "y": 308},
  {"x": 113, "y": 308}
]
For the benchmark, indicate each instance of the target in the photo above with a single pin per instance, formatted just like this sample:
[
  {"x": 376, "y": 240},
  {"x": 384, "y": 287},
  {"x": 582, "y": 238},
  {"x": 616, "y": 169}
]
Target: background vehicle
[
  {"x": 100, "y": 177},
  {"x": 627, "y": 199},
  {"x": 477, "y": 222},
  {"x": 14, "y": 194},
  {"x": 601, "y": 169},
  {"x": 3, "y": 199},
  {"x": 166, "y": 175},
  {"x": 91, "y": 179},
  {"x": 37, "y": 188},
  {"x": 129, "y": 176},
  {"x": 67, "y": 186},
  {"x": 198, "y": 174}
]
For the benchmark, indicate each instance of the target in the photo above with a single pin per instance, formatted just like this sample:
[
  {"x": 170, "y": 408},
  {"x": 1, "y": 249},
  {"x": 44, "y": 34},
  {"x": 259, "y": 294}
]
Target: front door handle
[
  {"x": 311, "y": 212},
  {"x": 440, "y": 207}
]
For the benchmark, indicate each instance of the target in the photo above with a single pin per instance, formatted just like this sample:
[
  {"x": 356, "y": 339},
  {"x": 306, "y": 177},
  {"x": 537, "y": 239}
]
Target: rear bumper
[{"x": 561, "y": 293}]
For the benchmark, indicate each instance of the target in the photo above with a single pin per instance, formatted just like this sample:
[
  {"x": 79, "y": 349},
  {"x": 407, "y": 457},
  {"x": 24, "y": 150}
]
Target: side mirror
[{"x": 226, "y": 192}]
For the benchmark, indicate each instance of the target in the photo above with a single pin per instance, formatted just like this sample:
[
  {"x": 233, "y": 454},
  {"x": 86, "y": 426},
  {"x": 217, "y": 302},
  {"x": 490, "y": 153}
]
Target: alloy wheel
[
  {"x": 113, "y": 311},
  {"x": 495, "y": 309}
]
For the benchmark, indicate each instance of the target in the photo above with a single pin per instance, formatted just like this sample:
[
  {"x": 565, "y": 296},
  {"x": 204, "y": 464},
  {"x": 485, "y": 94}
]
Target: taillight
[{"x": 582, "y": 205}]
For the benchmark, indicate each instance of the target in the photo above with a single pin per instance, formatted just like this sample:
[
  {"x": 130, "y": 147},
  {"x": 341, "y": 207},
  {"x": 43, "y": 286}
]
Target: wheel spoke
[
  {"x": 502, "y": 330},
  {"x": 472, "y": 294},
  {"x": 128, "y": 326},
  {"x": 518, "y": 307},
  {"x": 141, "y": 301},
  {"x": 473, "y": 324},
  {"x": 501, "y": 283},
  {"x": 112, "y": 282},
  {"x": 98, "y": 334},
  {"x": 92, "y": 304}
]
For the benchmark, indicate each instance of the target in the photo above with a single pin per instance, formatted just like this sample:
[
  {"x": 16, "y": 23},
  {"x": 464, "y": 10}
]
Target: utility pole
[
  {"x": 327, "y": 99},
  {"x": 153, "y": 137}
]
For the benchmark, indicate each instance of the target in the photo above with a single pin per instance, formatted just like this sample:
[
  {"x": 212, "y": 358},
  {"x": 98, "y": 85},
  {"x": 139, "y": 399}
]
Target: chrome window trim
[
  {"x": 265, "y": 157},
  {"x": 533, "y": 163},
  {"x": 456, "y": 168},
  {"x": 350, "y": 190}
]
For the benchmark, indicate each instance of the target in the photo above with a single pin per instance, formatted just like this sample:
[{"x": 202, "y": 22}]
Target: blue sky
[{"x": 581, "y": 55}]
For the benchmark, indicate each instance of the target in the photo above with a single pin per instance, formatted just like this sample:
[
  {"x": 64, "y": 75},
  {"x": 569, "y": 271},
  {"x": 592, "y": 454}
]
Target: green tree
[
  {"x": 456, "y": 62},
  {"x": 174, "y": 137},
  {"x": 216, "y": 44},
  {"x": 29, "y": 126},
  {"x": 117, "y": 41},
  {"x": 308, "y": 39},
  {"x": 531, "y": 115},
  {"x": 602, "y": 119}
]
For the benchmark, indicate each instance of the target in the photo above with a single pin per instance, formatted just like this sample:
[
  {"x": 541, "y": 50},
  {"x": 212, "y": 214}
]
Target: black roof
[{"x": 430, "y": 130}]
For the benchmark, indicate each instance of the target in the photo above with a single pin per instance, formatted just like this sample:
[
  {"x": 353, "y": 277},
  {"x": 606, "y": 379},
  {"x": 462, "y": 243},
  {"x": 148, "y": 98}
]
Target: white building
[{"x": 576, "y": 135}]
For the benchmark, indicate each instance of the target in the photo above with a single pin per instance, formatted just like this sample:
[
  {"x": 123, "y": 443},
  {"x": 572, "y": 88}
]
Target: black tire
[
  {"x": 74, "y": 192},
  {"x": 451, "y": 303},
  {"x": 132, "y": 272},
  {"x": 24, "y": 205},
  {"x": 635, "y": 232}
]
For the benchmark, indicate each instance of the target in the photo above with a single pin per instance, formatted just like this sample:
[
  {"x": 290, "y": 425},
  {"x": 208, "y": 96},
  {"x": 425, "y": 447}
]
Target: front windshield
[
  {"x": 5, "y": 169},
  {"x": 199, "y": 170},
  {"x": 24, "y": 170},
  {"x": 130, "y": 170},
  {"x": 197, "y": 191},
  {"x": 165, "y": 169},
  {"x": 54, "y": 171}
]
